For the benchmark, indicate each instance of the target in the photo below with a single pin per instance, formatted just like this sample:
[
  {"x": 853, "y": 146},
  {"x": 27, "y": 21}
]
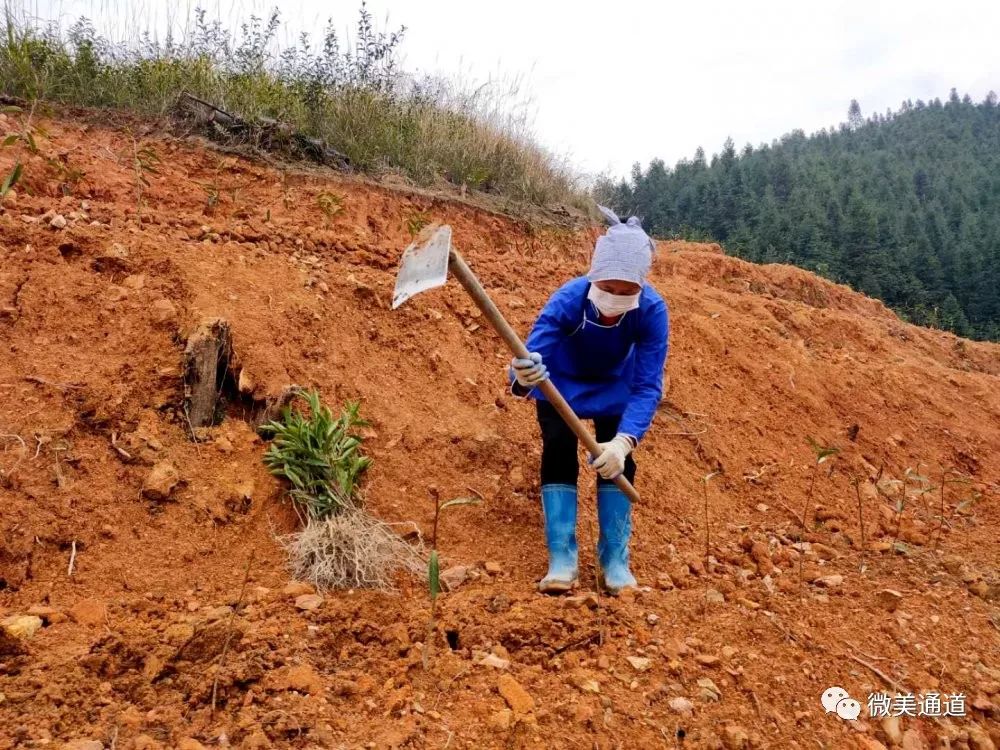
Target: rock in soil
[
  {"x": 519, "y": 700},
  {"x": 889, "y": 599},
  {"x": 91, "y": 612},
  {"x": 681, "y": 705},
  {"x": 161, "y": 481},
  {"x": 21, "y": 626},
  {"x": 308, "y": 602}
]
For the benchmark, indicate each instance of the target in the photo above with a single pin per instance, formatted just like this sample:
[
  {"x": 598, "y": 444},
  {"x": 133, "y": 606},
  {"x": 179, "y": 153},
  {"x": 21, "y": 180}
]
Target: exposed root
[{"x": 350, "y": 550}]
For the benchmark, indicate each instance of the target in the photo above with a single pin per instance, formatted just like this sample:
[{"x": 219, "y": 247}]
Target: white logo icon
[{"x": 836, "y": 700}]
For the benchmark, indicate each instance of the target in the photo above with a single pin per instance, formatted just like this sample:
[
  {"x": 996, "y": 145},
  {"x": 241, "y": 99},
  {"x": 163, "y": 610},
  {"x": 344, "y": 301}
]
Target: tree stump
[{"x": 206, "y": 362}]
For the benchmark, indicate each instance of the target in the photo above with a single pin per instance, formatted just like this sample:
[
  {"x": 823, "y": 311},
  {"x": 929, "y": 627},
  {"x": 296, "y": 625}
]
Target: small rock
[
  {"x": 735, "y": 737},
  {"x": 830, "y": 582},
  {"x": 492, "y": 567},
  {"x": 825, "y": 552},
  {"x": 707, "y": 660},
  {"x": 652, "y": 618},
  {"x": 302, "y": 678},
  {"x": 714, "y": 597},
  {"x": 90, "y": 612},
  {"x": 639, "y": 663},
  {"x": 298, "y": 588},
  {"x": 519, "y": 700},
  {"x": 178, "y": 633},
  {"x": 728, "y": 652},
  {"x": 890, "y": 725},
  {"x": 583, "y": 681},
  {"x": 681, "y": 706},
  {"x": 982, "y": 703},
  {"x": 889, "y": 599},
  {"x": 454, "y": 576},
  {"x": 665, "y": 582},
  {"x": 980, "y": 589},
  {"x": 164, "y": 311},
  {"x": 135, "y": 281},
  {"x": 58, "y": 222},
  {"x": 501, "y": 720},
  {"x": 492, "y": 660},
  {"x": 708, "y": 690},
  {"x": 308, "y": 602},
  {"x": 22, "y": 626},
  {"x": 396, "y": 635},
  {"x": 499, "y": 603},
  {"x": 979, "y": 740},
  {"x": 161, "y": 481},
  {"x": 590, "y": 601}
]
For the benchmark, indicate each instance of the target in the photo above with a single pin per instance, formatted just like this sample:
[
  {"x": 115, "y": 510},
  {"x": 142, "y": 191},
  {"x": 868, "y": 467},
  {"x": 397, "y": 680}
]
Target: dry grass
[
  {"x": 351, "y": 550},
  {"x": 353, "y": 97}
]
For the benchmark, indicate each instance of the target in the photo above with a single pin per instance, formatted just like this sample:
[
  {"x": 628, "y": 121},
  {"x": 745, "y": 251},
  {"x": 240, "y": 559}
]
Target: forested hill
[{"x": 903, "y": 206}]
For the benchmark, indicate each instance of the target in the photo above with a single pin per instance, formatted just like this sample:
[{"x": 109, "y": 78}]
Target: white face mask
[{"x": 613, "y": 305}]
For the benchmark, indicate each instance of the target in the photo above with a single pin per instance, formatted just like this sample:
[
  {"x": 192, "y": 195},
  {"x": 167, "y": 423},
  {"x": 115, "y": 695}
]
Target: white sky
[{"x": 629, "y": 81}]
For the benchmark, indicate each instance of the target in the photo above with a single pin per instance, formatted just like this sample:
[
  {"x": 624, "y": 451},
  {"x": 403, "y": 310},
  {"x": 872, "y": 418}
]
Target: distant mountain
[{"x": 903, "y": 206}]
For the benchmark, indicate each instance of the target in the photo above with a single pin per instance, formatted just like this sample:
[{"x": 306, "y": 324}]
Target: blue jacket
[{"x": 600, "y": 370}]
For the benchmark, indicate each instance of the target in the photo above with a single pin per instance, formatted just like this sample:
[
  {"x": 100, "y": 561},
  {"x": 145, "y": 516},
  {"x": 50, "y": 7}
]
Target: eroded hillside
[{"x": 103, "y": 277}]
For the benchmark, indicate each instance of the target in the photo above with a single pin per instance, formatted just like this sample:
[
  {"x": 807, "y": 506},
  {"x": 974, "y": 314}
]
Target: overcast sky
[{"x": 621, "y": 82}]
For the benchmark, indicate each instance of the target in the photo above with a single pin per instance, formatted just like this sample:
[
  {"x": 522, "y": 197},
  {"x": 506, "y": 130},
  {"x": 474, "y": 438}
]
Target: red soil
[{"x": 93, "y": 319}]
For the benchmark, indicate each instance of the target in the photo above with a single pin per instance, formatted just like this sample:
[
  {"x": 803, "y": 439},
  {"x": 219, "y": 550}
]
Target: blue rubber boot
[
  {"x": 614, "y": 514},
  {"x": 559, "y": 507}
]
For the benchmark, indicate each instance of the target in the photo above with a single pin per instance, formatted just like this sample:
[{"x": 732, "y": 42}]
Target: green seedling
[
  {"x": 704, "y": 488},
  {"x": 211, "y": 197},
  {"x": 319, "y": 455},
  {"x": 144, "y": 161},
  {"x": 822, "y": 454},
  {"x": 434, "y": 566},
  {"x": 948, "y": 476},
  {"x": 856, "y": 481},
  {"x": 922, "y": 486},
  {"x": 416, "y": 222},
  {"x": 11, "y": 180}
]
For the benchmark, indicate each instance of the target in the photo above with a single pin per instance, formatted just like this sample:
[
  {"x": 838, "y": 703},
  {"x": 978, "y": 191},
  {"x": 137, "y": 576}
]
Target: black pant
[{"x": 560, "y": 464}]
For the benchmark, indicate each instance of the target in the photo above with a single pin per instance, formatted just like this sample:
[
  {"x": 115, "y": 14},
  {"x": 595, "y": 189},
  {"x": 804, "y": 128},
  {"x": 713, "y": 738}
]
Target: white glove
[
  {"x": 611, "y": 461},
  {"x": 529, "y": 372}
]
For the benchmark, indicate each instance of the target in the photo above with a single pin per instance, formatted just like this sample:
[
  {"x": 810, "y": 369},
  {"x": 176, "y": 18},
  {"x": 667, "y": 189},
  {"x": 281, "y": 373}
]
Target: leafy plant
[
  {"x": 11, "y": 179},
  {"x": 318, "y": 454},
  {"x": 434, "y": 564},
  {"x": 416, "y": 222},
  {"x": 330, "y": 204}
]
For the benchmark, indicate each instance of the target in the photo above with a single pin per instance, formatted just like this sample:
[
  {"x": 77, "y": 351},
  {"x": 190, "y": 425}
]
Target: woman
[{"x": 602, "y": 338}]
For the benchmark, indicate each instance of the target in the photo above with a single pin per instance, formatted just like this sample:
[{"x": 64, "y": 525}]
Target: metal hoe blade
[{"x": 424, "y": 264}]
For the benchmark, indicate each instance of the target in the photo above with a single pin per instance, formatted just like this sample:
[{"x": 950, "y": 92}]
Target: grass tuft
[{"x": 354, "y": 97}]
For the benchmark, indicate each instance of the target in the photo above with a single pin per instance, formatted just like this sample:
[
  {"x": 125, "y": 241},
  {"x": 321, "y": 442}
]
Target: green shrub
[{"x": 319, "y": 456}]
